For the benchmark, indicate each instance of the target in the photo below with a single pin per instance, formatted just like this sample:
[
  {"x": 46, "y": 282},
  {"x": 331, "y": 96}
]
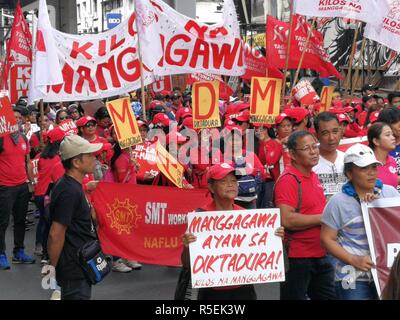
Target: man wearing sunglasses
[{"x": 87, "y": 129}]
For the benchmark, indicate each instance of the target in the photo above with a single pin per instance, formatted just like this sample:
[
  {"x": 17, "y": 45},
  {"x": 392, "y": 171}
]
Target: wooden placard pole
[
  {"x": 351, "y": 58},
  {"x": 287, "y": 53},
  {"x": 357, "y": 72}
]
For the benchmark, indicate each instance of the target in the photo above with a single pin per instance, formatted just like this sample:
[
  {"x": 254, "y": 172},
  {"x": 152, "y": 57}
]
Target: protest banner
[
  {"x": 161, "y": 84},
  {"x": 305, "y": 93},
  {"x": 20, "y": 75},
  {"x": 68, "y": 126},
  {"x": 388, "y": 34},
  {"x": 145, "y": 154},
  {"x": 265, "y": 99},
  {"x": 205, "y": 106},
  {"x": 108, "y": 63},
  {"x": 235, "y": 248},
  {"x": 326, "y": 98},
  {"x": 124, "y": 121},
  {"x": 344, "y": 144},
  {"x": 8, "y": 123},
  {"x": 382, "y": 224},
  {"x": 169, "y": 166},
  {"x": 369, "y": 11},
  {"x": 144, "y": 223}
]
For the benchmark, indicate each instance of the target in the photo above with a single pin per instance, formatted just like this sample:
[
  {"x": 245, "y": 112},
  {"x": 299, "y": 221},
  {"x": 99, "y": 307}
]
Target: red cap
[
  {"x": 342, "y": 117},
  {"x": 230, "y": 125},
  {"x": 188, "y": 122},
  {"x": 259, "y": 125},
  {"x": 231, "y": 109},
  {"x": 337, "y": 104},
  {"x": 281, "y": 117},
  {"x": 219, "y": 171},
  {"x": 81, "y": 122},
  {"x": 161, "y": 118},
  {"x": 373, "y": 117},
  {"x": 57, "y": 134},
  {"x": 242, "y": 106},
  {"x": 155, "y": 103},
  {"x": 298, "y": 114},
  {"x": 165, "y": 93},
  {"x": 175, "y": 136},
  {"x": 142, "y": 124},
  {"x": 243, "y": 116},
  {"x": 186, "y": 112}
]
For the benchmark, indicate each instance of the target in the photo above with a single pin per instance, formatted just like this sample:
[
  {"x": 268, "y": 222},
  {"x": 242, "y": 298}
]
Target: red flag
[
  {"x": 256, "y": 64},
  {"x": 144, "y": 223},
  {"x": 20, "y": 45},
  {"x": 7, "y": 118},
  {"x": 315, "y": 57}
]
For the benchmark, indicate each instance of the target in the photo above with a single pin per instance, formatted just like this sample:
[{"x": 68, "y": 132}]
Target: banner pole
[
  {"x": 141, "y": 71},
  {"x": 357, "y": 72},
  {"x": 351, "y": 58},
  {"x": 41, "y": 110},
  {"x": 287, "y": 53},
  {"x": 296, "y": 77}
]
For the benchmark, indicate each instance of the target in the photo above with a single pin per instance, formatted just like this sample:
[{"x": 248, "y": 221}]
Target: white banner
[
  {"x": 370, "y": 11},
  {"x": 235, "y": 248},
  {"x": 107, "y": 64},
  {"x": 389, "y": 34}
]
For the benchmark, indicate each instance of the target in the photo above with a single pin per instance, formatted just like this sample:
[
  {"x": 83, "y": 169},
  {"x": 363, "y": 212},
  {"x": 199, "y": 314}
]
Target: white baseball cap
[
  {"x": 361, "y": 155},
  {"x": 75, "y": 145}
]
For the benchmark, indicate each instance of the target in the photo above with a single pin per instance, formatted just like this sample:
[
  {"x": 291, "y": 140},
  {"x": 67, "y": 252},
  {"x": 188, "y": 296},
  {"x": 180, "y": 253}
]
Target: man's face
[
  {"x": 89, "y": 128},
  {"x": 86, "y": 163},
  {"x": 284, "y": 129},
  {"x": 18, "y": 117},
  {"x": 396, "y": 102},
  {"x": 370, "y": 103},
  {"x": 329, "y": 135},
  {"x": 306, "y": 153},
  {"x": 396, "y": 129},
  {"x": 226, "y": 188},
  {"x": 105, "y": 122}
]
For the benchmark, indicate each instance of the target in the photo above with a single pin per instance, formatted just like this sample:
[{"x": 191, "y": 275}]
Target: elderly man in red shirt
[{"x": 300, "y": 197}]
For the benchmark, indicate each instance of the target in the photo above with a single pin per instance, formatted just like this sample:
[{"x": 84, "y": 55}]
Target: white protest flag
[
  {"x": 151, "y": 50},
  {"x": 389, "y": 33},
  {"x": 194, "y": 47},
  {"x": 48, "y": 70},
  {"x": 369, "y": 11}
]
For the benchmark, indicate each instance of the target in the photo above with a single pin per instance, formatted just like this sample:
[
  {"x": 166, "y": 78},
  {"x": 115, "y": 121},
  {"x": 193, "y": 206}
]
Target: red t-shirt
[
  {"x": 50, "y": 170},
  {"x": 305, "y": 243},
  {"x": 125, "y": 171},
  {"x": 12, "y": 162}
]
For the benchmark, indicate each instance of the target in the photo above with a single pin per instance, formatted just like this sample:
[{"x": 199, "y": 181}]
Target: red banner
[
  {"x": 145, "y": 153},
  {"x": 144, "y": 223},
  {"x": 162, "y": 84},
  {"x": 7, "y": 118},
  {"x": 20, "y": 75},
  {"x": 256, "y": 65},
  {"x": 20, "y": 44},
  {"x": 315, "y": 57},
  {"x": 382, "y": 225}
]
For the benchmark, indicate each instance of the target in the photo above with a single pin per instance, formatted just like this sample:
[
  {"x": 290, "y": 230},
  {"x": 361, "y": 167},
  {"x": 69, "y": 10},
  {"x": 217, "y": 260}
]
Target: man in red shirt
[
  {"x": 300, "y": 197},
  {"x": 15, "y": 167}
]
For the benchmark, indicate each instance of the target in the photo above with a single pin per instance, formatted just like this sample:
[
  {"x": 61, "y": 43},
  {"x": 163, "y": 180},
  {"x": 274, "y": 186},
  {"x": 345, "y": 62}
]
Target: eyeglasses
[
  {"x": 63, "y": 118},
  {"x": 309, "y": 148},
  {"x": 90, "y": 124}
]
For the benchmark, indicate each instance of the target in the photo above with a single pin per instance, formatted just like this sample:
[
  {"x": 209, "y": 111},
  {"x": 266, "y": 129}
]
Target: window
[{"x": 79, "y": 11}]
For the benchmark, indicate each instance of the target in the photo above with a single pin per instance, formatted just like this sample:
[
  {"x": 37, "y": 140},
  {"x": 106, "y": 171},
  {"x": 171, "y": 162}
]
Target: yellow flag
[
  {"x": 326, "y": 98},
  {"x": 265, "y": 99},
  {"x": 168, "y": 165},
  {"x": 205, "y": 96},
  {"x": 124, "y": 122}
]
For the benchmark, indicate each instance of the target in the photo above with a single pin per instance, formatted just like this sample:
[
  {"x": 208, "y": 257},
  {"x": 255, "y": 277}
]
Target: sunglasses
[
  {"x": 63, "y": 118},
  {"x": 90, "y": 124}
]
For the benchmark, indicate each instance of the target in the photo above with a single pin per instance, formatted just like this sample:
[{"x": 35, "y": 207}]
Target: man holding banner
[{"x": 343, "y": 232}]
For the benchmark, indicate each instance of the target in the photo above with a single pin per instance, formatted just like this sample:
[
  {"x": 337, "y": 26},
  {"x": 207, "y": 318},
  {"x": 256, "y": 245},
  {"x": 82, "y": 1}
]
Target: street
[{"x": 23, "y": 282}]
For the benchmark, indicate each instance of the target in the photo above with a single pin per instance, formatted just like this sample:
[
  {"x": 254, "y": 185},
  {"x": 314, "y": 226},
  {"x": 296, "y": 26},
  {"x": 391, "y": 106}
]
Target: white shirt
[{"x": 331, "y": 174}]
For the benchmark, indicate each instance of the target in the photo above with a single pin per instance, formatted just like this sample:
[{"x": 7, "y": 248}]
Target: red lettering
[
  {"x": 102, "y": 48},
  {"x": 131, "y": 25},
  {"x": 225, "y": 54},
  {"x": 216, "y": 31},
  {"x": 68, "y": 77},
  {"x": 122, "y": 118},
  {"x": 210, "y": 88},
  {"x": 110, "y": 66},
  {"x": 199, "y": 30},
  {"x": 76, "y": 49},
  {"x": 201, "y": 48},
  {"x": 84, "y": 75},
  {"x": 178, "y": 52},
  {"x": 134, "y": 64},
  {"x": 114, "y": 43}
]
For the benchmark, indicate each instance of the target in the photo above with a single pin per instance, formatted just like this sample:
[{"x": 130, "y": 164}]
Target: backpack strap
[{"x": 299, "y": 190}]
